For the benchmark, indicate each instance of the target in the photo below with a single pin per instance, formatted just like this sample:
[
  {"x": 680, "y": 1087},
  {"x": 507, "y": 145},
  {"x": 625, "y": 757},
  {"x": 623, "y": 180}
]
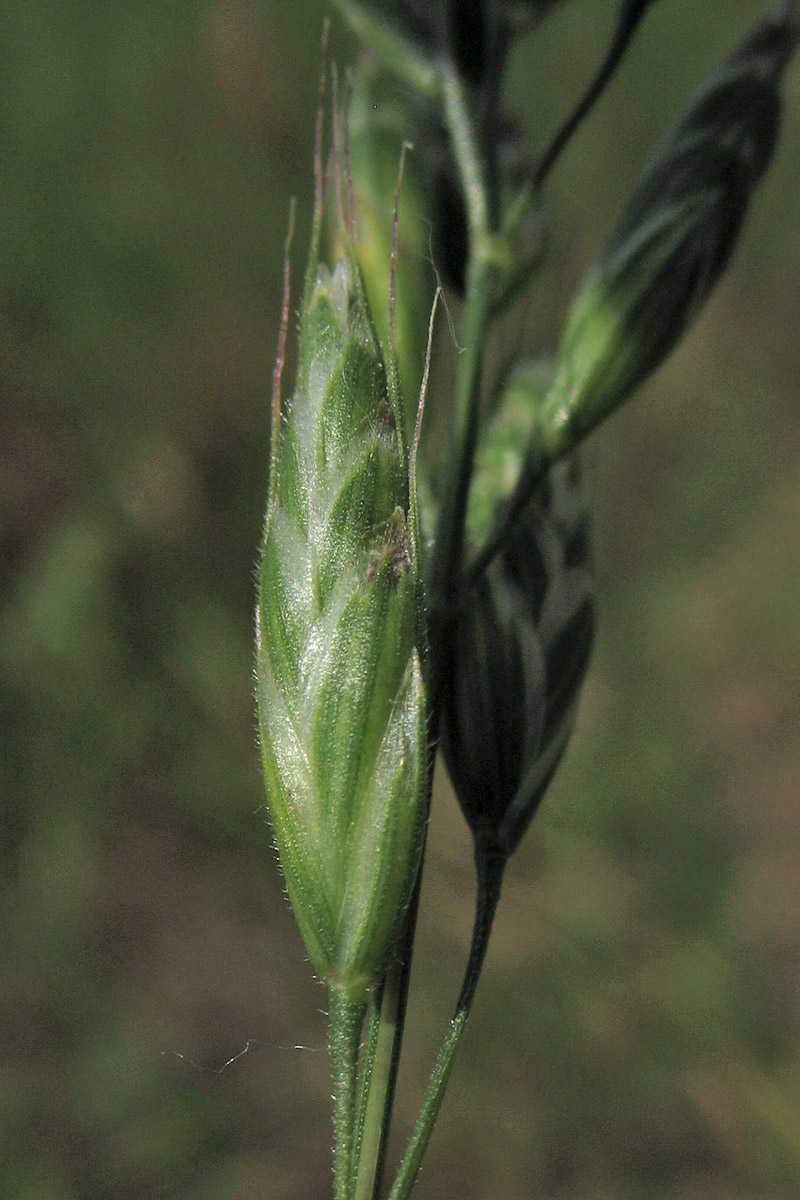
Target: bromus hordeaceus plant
[{"x": 379, "y": 641}]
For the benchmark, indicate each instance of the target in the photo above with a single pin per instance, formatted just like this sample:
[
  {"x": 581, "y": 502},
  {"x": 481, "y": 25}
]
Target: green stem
[
  {"x": 484, "y": 271},
  {"x": 447, "y": 551},
  {"x": 381, "y": 1061},
  {"x": 361, "y": 1137},
  {"x": 345, "y": 1018},
  {"x": 490, "y": 861},
  {"x": 464, "y": 141},
  {"x": 628, "y": 18},
  {"x": 630, "y": 13}
]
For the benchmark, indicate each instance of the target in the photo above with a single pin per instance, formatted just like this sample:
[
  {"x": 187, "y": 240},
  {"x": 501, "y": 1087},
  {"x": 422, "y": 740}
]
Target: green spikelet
[
  {"x": 340, "y": 649},
  {"x": 673, "y": 241},
  {"x": 384, "y": 131}
]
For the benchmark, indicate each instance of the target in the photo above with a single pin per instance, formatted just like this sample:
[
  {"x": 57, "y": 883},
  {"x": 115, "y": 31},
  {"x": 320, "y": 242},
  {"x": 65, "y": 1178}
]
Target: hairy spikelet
[{"x": 341, "y": 694}]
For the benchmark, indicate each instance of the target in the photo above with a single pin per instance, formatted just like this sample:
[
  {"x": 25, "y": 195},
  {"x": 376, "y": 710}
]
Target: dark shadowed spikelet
[{"x": 523, "y": 631}]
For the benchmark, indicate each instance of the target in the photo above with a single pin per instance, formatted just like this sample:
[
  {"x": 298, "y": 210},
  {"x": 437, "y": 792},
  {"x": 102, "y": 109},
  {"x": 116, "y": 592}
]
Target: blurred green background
[{"x": 636, "y": 1032}]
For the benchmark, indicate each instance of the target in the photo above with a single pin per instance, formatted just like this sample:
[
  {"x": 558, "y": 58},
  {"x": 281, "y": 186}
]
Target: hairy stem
[{"x": 345, "y": 1018}]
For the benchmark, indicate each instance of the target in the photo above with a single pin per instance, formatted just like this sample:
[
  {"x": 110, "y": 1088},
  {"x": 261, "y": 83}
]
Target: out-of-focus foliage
[{"x": 636, "y": 1031}]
